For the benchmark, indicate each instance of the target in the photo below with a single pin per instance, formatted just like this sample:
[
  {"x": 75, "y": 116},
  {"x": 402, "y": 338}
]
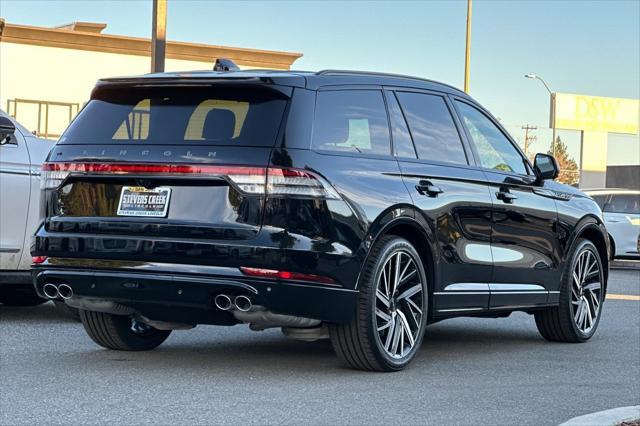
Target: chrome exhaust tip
[
  {"x": 223, "y": 302},
  {"x": 50, "y": 290},
  {"x": 65, "y": 291},
  {"x": 243, "y": 303}
]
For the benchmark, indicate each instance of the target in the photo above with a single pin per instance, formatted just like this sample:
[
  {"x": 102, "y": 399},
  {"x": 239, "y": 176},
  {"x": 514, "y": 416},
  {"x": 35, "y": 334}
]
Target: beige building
[{"x": 46, "y": 74}]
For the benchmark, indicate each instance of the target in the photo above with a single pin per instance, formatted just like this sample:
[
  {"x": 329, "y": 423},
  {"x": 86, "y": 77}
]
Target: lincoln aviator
[{"x": 354, "y": 206}]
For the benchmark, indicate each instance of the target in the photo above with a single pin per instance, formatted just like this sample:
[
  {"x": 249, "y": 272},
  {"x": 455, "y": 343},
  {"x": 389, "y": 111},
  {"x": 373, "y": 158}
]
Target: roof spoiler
[{"x": 223, "y": 64}]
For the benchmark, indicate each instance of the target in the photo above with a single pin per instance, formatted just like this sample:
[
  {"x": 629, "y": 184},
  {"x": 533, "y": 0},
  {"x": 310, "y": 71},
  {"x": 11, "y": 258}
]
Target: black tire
[
  {"x": 557, "y": 324},
  {"x": 115, "y": 332},
  {"x": 67, "y": 310},
  {"x": 20, "y": 295},
  {"x": 358, "y": 342},
  {"x": 612, "y": 244}
]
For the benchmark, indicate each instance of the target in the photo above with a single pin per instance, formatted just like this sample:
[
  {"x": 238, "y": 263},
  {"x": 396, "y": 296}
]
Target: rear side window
[
  {"x": 351, "y": 121},
  {"x": 495, "y": 151},
  {"x": 432, "y": 128},
  {"x": 623, "y": 203},
  {"x": 170, "y": 115}
]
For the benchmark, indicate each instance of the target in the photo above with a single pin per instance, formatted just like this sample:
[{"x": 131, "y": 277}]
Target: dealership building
[{"x": 46, "y": 74}]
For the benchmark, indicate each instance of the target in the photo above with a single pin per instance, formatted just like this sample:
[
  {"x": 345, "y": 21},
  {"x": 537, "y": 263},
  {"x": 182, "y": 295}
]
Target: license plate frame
[{"x": 138, "y": 201}]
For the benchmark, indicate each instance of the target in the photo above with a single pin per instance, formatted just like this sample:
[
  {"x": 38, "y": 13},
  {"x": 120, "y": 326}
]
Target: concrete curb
[{"x": 607, "y": 417}]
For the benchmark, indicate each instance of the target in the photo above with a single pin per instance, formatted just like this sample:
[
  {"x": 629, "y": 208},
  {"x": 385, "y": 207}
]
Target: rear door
[
  {"x": 15, "y": 177},
  {"x": 452, "y": 196},
  {"x": 524, "y": 242},
  {"x": 165, "y": 161}
]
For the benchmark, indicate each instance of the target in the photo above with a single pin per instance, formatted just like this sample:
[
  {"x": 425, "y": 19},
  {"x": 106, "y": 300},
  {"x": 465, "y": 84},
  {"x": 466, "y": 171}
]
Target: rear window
[
  {"x": 171, "y": 115},
  {"x": 351, "y": 121},
  {"x": 623, "y": 203}
]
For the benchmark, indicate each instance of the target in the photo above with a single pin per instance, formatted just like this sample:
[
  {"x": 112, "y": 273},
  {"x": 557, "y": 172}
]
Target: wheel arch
[
  {"x": 403, "y": 223},
  {"x": 592, "y": 229}
]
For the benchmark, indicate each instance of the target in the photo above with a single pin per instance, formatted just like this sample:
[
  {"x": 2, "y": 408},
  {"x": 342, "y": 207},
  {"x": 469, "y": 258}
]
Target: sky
[{"x": 588, "y": 47}]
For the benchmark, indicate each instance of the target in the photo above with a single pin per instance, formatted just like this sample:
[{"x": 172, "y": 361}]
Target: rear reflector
[
  {"x": 37, "y": 260},
  {"x": 247, "y": 179},
  {"x": 285, "y": 275}
]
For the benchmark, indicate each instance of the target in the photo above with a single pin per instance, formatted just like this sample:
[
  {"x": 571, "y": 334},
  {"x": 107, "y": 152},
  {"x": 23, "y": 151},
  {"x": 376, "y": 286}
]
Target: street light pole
[
  {"x": 553, "y": 112},
  {"x": 467, "y": 57},
  {"x": 158, "y": 35}
]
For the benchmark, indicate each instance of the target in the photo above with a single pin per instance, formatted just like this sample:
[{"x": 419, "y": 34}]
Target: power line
[{"x": 528, "y": 140}]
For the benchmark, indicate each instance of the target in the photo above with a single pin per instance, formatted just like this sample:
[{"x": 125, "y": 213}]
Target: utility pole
[
  {"x": 158, "y": 35},
  {"x": 528, "y": 140},
  {"x": 467, "y": 56}
]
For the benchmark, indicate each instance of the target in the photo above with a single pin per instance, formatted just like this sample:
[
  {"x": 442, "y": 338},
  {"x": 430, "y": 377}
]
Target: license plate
[{"x": 143, "y": 202}]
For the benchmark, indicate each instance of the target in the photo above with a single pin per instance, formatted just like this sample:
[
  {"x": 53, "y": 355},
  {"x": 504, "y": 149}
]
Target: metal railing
[{"x": 43, "y": 123}]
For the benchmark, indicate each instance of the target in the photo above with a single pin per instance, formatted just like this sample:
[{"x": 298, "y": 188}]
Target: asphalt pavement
[{"x": 469, "y": 371}]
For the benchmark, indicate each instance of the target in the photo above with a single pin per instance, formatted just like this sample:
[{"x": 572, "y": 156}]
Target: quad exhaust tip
[
  {"x": 65, "y": 291},
  {"x": 51, "y": 291},
  {"x": 240, "y": 303},
  {"x": 223, "y": 302},
  {"x": 243, "y": 303}
]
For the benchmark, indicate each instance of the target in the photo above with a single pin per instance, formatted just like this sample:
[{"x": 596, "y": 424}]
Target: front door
[
  {"x": 14, "y": 199},
  {"x": 524, "y": 243}
]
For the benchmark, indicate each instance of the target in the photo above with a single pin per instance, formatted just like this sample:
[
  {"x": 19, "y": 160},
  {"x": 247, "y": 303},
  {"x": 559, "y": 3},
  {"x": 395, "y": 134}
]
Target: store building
[{"x": 46, "y": 74}]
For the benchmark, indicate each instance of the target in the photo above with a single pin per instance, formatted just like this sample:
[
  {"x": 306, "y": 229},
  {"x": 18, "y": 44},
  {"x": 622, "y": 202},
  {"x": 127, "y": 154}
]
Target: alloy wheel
[
  {"x": 586, "y": 291},
  {"x": 399, "y": 304}
]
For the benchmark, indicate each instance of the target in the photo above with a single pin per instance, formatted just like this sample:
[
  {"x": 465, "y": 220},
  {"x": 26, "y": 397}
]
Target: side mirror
[
  {"x": 7, "y": 128},
  {"x": 546, "y": 167}
]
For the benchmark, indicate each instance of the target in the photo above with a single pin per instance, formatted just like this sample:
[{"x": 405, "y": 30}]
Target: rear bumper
[
  {"x": 158, "y": 293},
  {"x": 15, "y": 278}
]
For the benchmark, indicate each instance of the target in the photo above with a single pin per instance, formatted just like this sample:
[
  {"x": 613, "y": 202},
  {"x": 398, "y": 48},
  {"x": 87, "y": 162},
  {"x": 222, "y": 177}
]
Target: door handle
[
  {"x": 506, "y": 196},
  {"x": 425, "y": 187}
]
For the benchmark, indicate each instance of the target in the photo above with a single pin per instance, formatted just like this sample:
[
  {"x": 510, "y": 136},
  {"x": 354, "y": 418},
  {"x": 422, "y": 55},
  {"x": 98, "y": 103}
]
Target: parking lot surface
[{"x": 470, "y": 371}]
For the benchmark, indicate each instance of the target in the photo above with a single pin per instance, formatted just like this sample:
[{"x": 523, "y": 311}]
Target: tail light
[
  {"x": 285, "y": 275},
  {"x": 247, "y": 179}
]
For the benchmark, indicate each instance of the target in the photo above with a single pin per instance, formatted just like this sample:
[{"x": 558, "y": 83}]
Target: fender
[
  {"x": 589, "y": 223},
  {"x": 390, "y": 218}
]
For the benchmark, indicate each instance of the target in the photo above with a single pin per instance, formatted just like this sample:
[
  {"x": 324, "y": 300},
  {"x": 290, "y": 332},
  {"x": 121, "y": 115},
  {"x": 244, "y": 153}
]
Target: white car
[
  {"x": 621, "y": 208},
  {"x": 21, "y": 155}
]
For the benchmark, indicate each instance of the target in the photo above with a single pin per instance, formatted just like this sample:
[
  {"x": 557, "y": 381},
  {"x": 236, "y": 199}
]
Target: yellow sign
[{"x": 594, "y": 113}]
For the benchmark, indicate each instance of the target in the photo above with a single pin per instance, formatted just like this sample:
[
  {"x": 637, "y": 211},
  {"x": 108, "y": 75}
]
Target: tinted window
[
  {"x": 402, "y": 143},
  {"x": 432, "y": 128},
  {"x": 623, "y": 203},
  {"x": 170, "y": 115},
  {"x": 494, "y": 149},
  {"x": 351, "y": 121},
  {"x": 600, "y": 200}
]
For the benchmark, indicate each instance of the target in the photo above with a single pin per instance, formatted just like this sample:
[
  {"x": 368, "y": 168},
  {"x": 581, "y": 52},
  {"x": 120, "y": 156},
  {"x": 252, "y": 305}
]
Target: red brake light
[
  {"x": 285, "y": 275},
  {"x": 37, "y": 260}
]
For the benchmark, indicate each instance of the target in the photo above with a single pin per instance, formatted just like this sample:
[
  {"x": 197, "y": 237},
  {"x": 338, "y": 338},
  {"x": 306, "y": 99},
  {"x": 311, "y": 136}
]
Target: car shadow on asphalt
[{"x": 208, "y": 348}]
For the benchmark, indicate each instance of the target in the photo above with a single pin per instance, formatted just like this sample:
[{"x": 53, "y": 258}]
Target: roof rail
[{"x": 380, "y": 74}]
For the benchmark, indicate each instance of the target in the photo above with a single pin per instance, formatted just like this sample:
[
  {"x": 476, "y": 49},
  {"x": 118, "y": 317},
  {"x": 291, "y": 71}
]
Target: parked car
[
  {"x": 621, "y": 209},
  {"x": 21, "y": 155},
  {"x": 356, "y": 206}
]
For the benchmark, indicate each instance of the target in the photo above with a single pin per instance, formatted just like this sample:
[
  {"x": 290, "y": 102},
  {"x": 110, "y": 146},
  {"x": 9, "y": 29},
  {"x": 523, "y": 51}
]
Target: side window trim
[{"x": 527, "y": 164}]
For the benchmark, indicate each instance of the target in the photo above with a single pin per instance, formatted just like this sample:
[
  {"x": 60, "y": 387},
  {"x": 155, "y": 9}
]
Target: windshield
[{"x": 235, "y": 116}]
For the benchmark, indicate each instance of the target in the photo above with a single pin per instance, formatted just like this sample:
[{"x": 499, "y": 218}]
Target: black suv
[{"x": 356, "y": 206}]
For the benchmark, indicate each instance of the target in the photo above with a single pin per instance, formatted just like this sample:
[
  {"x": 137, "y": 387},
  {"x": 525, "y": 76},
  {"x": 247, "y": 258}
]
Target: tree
[{"x": 569, "y": 172}]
